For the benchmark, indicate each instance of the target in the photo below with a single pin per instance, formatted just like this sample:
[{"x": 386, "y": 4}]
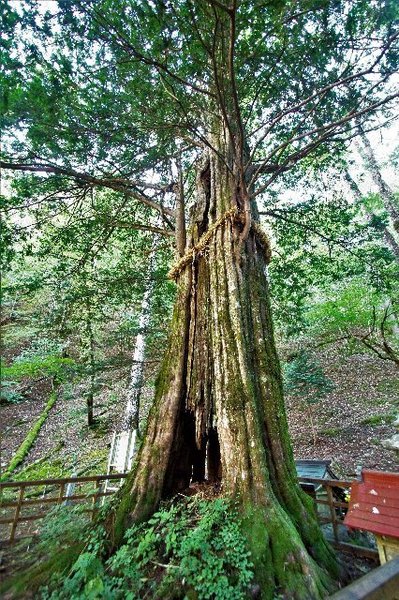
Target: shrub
[
  {"x": 331, "y": 431},
  {"x": 9, "y": 393},
  {"x": 49, "y": 366},
  {"x": 41, "y": 359}
]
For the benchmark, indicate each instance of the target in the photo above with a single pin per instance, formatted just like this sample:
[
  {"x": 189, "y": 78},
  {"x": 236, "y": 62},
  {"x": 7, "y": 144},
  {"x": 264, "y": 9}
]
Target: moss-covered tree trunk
[{"x": 219, "y": 409}]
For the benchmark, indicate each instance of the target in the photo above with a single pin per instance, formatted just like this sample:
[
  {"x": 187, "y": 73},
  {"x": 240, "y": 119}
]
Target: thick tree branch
[
  {"x": 382, "y": 349},
  {"x": 383, "y": 188},
  {"x": 388, "y": 237}
]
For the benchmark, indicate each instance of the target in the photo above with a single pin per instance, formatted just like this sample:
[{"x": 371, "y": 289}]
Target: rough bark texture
[{"x": 219, "y": 403}]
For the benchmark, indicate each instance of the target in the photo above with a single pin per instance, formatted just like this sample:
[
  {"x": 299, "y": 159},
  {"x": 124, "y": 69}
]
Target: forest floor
[
  {"x": 351, "y": 422},
  {"x": 353, "y": 419}
]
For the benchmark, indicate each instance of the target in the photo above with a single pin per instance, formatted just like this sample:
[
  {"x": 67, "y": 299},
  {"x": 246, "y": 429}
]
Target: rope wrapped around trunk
[{"x": 233, "y": 215}]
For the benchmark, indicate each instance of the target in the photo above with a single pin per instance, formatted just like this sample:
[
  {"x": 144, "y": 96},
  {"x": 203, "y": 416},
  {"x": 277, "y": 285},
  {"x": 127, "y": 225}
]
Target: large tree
[{"x": 192, "y": 110}]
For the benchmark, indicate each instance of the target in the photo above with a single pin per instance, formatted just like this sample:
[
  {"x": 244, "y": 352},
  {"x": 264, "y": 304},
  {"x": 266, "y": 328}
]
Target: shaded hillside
[{"x": 354, "y": 418}]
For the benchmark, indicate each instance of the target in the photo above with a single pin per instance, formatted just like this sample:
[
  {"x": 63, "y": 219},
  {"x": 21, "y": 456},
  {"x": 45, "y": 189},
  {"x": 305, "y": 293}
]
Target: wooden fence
[
  {"x": 331, "y": 510},
  {"x": 20, "y": 499},
  {"x": 22, "y": 503}
]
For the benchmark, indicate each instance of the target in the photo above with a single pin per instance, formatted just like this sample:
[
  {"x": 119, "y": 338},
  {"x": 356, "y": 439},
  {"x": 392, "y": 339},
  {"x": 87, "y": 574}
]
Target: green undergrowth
[
  {"x": 331, "y": 431},
  {"x": 30, "y": 439},
  {"x": 48, "y": 366},
  {"x": 385, "y": 419},
  {"x": 61, "y": 539},
  {"x": 44, "y": 468},
  {"x": 94, "y": 461},
  {"x": 47, "y": 469},
  {"x": 17, "y": 333},
  {"x": 39, "y": 361},
  {"x": 391, "y": 387},
  {"x": 9, "y": 393},
  {"x": 191, "y": 548}
]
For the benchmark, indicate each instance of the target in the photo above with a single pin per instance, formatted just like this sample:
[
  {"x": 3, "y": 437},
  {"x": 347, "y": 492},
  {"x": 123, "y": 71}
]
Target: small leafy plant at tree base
[
  {"x": 305, "y": 380},
  {"x": 192, "y": 548}
]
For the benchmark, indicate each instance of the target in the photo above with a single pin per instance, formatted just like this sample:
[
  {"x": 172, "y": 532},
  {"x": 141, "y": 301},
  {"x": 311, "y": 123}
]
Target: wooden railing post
[
  {"x": 17, "y": 512},
  {"x": 330, "y": 498},
  {"x": 95, "y": 499},
  {"x": 61, "y": 494}
]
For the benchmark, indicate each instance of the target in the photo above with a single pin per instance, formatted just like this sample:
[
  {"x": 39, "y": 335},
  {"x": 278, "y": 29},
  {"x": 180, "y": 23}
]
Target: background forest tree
[{"x": 184, "y": 116}]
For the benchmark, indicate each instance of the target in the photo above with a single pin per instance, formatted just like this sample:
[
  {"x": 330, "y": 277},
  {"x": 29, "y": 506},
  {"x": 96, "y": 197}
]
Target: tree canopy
[{"x": 117, "y": 94}]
